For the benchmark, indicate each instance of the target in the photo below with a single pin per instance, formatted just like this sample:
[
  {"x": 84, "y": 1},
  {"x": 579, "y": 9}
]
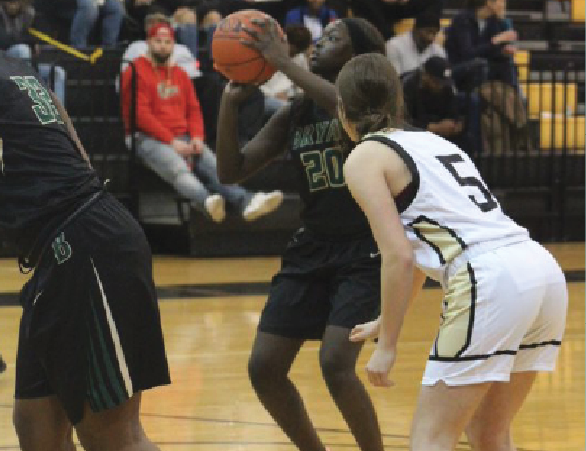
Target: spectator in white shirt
[{"x": 408, "y": 51}]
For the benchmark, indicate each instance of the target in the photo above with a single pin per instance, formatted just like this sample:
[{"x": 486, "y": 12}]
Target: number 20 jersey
[
  {"x": 450, "y": 209},
  {"x": 329, "y": 209}
]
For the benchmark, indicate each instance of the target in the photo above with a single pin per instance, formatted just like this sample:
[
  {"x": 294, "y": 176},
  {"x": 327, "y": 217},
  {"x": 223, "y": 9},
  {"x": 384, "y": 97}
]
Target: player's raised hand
[
  {"x": 363, "y": 332},
  {"x": 379, "y": 366},
  {"x": 268, "y": 40},
  {"x": 238, "y": 92}
]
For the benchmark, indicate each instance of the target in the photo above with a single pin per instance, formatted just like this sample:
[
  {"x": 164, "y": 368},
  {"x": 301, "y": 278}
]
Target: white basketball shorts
[{"x": 504, "y": 311}]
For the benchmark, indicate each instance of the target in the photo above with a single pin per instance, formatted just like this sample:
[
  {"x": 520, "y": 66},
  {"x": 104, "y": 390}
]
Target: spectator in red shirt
[{"x": 170, "y": 133}]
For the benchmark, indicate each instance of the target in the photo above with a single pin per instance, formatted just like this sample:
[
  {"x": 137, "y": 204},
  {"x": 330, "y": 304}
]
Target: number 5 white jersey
[{"x": 450, "y": 211}]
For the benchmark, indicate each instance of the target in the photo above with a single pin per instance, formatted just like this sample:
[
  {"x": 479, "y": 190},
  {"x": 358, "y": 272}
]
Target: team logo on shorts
[{"x": 62, "y": 249}]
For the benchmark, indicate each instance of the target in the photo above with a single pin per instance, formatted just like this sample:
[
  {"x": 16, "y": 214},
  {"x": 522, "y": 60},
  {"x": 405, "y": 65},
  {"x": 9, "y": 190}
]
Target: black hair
[
  {"x": 299, "y": 36},
  {"x": 364, "y": 36}
]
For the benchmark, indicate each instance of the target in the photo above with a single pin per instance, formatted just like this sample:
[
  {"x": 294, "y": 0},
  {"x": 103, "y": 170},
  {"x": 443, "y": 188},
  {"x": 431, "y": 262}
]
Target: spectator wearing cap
[
  {"x": 431, "y": 101},
  {"x": 408, "y": 51},
  {"x": 315, "y": 15},
  {"x": 181, "y": 55},
  {"x": 169, "y": 133}
]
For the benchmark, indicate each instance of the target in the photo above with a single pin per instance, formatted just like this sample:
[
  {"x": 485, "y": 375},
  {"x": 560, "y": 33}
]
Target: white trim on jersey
[{"x": 122, "y": 365}]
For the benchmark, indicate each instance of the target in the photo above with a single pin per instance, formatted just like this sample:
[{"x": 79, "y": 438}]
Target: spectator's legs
[
  {"x": 187, "y": 35},
  {"x": 22, "y": 51},
  {"x": 55, "y": 80},
  {"x": 112, "y": 17},
  {"x": 205, "y": 168},
  {"x": 84, "y": 20},
  {"x": 172, "y": 168}
]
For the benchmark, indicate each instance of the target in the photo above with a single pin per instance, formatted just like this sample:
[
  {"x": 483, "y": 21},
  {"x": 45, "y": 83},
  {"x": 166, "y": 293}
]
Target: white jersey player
[{"x": 505, "y": 296}]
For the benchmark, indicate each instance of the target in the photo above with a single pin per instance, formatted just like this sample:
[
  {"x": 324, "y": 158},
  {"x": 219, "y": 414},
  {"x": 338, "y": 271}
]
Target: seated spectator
[
  {"x": 181, "y": 55},
  {"x": 278, "y": 90},
  {"x": 16, "y": 17},
  {"x": 82, "y": 15},
  {"x": 136, "y": 12},
  {"x": 410, "y": 50},
  {"x": 430, "y": 99},
  {"x": 169, "y": 135},
  {"x": 483, "y": 32},
  {"x": 384, "y": 14},
  {"x": 315, "y": 16}
]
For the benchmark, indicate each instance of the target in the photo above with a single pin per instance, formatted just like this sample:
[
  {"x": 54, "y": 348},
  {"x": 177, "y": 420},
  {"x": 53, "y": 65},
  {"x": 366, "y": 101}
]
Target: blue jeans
[
  {"x": 55, "y": 82},
  {"x": 188, "y": 35},
  {"x": 86, "y": 16},
  {"x": 197, "y": 185}
]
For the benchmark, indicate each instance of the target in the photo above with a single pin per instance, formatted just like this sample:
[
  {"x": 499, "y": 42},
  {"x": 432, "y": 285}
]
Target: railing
[
  {"x": 543, "y": 148},
  {"x": 546, "y": 154}
]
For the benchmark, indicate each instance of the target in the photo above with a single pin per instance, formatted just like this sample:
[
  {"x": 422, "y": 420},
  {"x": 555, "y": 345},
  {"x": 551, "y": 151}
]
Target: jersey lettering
[
  {"x": 43, "y": 105},
  {"x": 489, "y": 202},
  {"x": 323, "y": 168},
  {"x": 61, "y": 249}
]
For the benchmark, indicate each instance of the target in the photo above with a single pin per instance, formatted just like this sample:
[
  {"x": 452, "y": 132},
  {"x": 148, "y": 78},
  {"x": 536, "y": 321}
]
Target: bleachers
[{"x": 541, "y": 186}]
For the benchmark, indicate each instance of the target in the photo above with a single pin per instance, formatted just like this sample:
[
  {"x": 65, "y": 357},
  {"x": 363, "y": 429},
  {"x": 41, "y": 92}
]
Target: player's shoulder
[
  {"x": 13, "y": 66},
  {"x": 375, "y": 150}
]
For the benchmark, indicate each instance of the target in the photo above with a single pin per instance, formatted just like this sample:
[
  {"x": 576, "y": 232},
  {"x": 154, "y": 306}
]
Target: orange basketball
[{"x": 233, "y": 59}]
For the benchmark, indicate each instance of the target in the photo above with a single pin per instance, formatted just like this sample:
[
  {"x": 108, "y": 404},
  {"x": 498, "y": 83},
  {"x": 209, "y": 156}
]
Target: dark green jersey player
[
  {"x": 330, "y": 276},
  {"x": 82, "y": 360},
  {"x": 314, "y": 146}
]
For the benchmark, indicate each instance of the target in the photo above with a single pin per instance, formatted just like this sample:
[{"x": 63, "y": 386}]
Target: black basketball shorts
[
  {"x": 323, "y": 283},
  {"x": 91, "y": 329}
]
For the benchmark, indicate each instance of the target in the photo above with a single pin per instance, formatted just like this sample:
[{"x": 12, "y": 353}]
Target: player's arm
[
  {"x": 371, "y": 329},
  {"x": 276, "y": 51},
  {"x": 235, "y": 165},
  {"x": 368, "y": 171},
  {"x": 70, "y": 128}
]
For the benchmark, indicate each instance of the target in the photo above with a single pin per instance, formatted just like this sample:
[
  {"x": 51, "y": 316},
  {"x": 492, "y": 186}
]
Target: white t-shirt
[
  {"x": 403, "y": 53},
  {"x": 279, "y": 82}
]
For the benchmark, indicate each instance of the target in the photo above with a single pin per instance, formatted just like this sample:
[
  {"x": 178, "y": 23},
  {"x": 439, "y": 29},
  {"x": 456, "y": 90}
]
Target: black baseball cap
[{"x": 438, "y": 68}]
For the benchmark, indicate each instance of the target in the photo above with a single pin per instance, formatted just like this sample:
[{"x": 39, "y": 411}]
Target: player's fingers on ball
[
  {"x": 247, "y": 43},
  {"x": 251, "y": 32},
  {"x": 260, "y": 22}
]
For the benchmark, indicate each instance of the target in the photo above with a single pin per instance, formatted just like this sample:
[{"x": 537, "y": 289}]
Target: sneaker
[
  {"x": 215, "y": 207},
  {"x": 2, "y": 365},
  {"x": 261, "y": 204}
]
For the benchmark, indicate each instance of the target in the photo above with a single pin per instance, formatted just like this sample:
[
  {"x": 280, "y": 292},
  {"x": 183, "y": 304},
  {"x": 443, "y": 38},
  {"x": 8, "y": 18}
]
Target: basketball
[{"x": 235, "y": 60}]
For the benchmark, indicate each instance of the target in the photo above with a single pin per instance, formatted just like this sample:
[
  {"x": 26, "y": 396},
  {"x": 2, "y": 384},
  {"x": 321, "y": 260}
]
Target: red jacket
[{"x": 167, "y": 106}]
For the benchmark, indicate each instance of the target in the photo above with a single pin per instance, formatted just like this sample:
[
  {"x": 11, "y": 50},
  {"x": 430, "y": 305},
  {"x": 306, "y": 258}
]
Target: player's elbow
[{"x": 400, "y": 257}]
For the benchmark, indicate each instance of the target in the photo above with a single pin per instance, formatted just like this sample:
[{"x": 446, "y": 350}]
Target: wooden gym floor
[{"x": 210, "y": 309}]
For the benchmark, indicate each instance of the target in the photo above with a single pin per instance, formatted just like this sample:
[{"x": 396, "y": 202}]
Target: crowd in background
[{"x": 443, "y": 70}]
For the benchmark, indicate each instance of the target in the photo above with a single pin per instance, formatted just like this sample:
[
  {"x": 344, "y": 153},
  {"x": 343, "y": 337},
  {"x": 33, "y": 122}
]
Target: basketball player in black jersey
[
  {"x": 84, "y": 354},
  {"x": 330, "y": 275}
]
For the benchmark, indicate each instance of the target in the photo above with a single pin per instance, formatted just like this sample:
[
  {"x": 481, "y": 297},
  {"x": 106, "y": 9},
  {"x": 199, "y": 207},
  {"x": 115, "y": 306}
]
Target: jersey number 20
[
  {"x": 489, "y": 202},
  {"x": 324, "y": 169}
]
